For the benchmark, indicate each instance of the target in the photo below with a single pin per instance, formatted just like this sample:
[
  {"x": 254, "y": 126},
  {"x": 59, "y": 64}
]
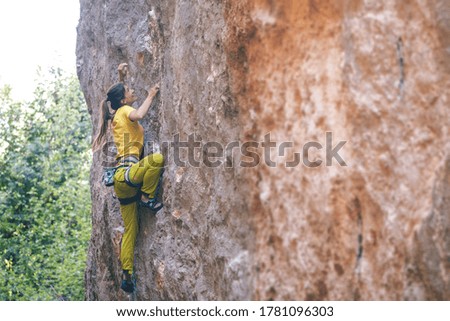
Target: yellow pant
[{"x": 147, "y": 173}]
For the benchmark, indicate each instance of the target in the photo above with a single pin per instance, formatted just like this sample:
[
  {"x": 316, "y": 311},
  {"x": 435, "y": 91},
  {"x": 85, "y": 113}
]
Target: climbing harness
[
  {"x": 128, "y": 159},
  {"x": 108, "y": 172},
  {"x": 129, "y": 200},
  {"x": 108, "y": 179}
]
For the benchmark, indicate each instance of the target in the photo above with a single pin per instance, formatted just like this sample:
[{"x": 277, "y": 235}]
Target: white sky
[{"x": 35, "y": 33}]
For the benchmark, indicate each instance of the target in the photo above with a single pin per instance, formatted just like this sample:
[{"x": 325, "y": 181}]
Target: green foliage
[{"x": 44, "y": 191}]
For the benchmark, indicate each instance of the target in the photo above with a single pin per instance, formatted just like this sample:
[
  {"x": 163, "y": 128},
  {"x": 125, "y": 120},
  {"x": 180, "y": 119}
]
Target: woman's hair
[{"x": 114, "y": 96}]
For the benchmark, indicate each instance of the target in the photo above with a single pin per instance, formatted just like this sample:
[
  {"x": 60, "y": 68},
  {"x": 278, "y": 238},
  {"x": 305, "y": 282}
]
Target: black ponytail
[{"x": 114, "y": 96}]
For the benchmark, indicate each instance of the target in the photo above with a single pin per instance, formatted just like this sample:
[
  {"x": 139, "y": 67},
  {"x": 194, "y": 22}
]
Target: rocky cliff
[{"x": 338, "y": 187}]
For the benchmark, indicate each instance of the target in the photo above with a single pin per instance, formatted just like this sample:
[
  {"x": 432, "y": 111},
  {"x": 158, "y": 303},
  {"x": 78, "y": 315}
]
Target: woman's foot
[
  {"x": 127, "y": 282},
  {"x": 151, "y": 203}
]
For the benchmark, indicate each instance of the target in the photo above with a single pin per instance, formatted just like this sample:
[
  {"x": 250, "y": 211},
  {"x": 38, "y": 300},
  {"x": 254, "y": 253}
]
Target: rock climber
[{"x": 135, "y": 178}]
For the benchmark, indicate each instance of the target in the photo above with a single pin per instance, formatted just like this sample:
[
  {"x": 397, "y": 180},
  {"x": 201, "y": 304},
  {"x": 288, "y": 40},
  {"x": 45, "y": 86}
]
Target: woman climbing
[{"x": 135, "y": 180}]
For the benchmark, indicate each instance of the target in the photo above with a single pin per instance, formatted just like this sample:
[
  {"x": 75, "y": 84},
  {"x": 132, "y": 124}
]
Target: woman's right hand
[
  {"x": 140, "y": 113},
  {"x": 123, "y": 71},
  {"x": 154, "y": 90}
]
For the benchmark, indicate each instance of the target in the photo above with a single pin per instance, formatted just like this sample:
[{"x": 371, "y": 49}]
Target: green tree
[{"x": 44, "y": 191}]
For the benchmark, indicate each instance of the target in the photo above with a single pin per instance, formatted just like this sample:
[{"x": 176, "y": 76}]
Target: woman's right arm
[{"x": 140, "y": 113}]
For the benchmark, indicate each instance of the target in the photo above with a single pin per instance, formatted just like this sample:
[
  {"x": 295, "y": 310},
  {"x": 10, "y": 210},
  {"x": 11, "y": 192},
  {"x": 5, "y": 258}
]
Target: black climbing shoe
[
  {"x": 127, "y": 282},
  {"x": 153, "y": 204},
  {"x": 127, "y": 286}
]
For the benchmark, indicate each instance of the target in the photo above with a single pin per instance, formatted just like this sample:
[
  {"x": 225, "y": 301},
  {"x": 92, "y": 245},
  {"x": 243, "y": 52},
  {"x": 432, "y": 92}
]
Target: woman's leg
[
  {"x": 130, "y": 221},
  {"x": 147, "y": 173}
]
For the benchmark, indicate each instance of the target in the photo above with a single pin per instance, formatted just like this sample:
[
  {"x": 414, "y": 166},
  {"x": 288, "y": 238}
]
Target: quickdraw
[{"x": 108, "y": 174}]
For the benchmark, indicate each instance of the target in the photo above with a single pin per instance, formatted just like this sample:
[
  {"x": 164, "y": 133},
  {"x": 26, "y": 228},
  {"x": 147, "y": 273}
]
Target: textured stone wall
[
  {"x": 374, "y": 74},
  {"x": 197, "y": 246}
]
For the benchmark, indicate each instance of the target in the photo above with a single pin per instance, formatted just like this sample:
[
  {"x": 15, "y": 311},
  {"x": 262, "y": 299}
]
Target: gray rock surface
[{"x": 375, "y": 75}]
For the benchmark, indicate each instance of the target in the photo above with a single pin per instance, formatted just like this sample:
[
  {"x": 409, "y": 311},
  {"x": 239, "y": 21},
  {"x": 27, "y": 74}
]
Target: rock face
[{"x": 370, "y": 223}]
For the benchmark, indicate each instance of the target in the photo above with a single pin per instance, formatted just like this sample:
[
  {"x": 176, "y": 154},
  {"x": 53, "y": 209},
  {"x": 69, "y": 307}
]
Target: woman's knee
[
  {"x": 158, "y": 159},
  {"x": 153, "y": 160}
]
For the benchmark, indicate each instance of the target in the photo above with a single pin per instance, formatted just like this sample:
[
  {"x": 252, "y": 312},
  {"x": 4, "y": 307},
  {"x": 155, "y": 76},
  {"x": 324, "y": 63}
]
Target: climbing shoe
[
  {"x": 127, "y": 286},
  {"x": 127, "y": 282},
  {"x": 153, "y": 204}
]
